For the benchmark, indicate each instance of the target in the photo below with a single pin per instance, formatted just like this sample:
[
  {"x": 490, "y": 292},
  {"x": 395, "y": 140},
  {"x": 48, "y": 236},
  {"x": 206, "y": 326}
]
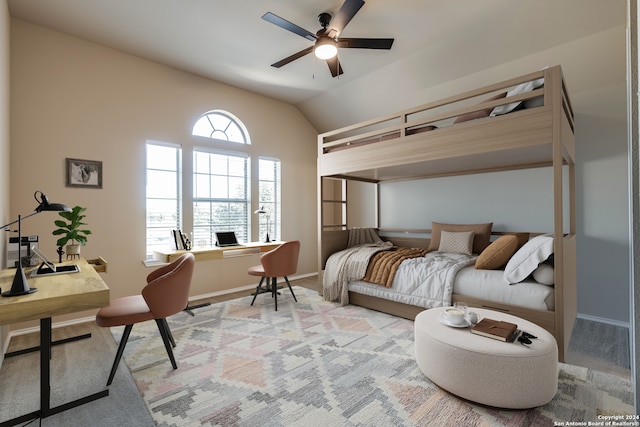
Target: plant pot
[{"x": 73, "y": 250}]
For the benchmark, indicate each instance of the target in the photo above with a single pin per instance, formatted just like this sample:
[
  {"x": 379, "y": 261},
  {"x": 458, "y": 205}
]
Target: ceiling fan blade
[
  {"x": 365, "y": 43},
  {"x": 346, "y": 12},
  {"x": 293, "y": 57},
  {"x": 289, "y": 26},
  {"x": 334, "y": 66}
]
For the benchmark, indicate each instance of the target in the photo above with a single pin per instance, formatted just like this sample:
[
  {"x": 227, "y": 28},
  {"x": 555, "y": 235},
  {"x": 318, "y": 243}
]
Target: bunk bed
[{"x": 520, "y": 123}]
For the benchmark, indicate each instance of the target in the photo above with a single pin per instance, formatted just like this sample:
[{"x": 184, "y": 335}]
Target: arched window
[{"x": 222, "y": 125}]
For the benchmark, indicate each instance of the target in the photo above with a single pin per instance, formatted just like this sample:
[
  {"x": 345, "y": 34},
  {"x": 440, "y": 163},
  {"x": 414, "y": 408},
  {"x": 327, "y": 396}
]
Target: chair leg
[
  {"x": 123, "y": 343},
  {"x": 164, "y": 332},
  {"x": 274, "y": 289},
  {"x": 168, "y": 329},
  {"x": 255, "y": 294},
  {"x": 289, "y": 285}
]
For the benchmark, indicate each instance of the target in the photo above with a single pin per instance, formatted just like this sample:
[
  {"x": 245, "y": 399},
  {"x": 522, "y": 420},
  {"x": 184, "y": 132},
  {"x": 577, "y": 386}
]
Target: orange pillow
[{"x": 498, "y": 253}]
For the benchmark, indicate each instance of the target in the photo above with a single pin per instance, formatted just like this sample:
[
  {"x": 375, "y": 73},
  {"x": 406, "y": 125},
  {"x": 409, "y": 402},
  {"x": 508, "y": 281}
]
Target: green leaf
[{"x": 70, "y": 230}]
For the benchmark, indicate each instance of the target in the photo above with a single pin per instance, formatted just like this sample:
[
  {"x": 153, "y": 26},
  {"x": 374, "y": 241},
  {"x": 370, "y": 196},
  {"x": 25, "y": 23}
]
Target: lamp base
[
  {"x": 19, "y": 285},
  {"x": 15, "y": 294}
]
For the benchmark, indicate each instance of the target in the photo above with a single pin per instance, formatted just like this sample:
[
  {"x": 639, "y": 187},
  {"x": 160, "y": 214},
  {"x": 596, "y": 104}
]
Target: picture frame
[{"x": 84, "y": 173}]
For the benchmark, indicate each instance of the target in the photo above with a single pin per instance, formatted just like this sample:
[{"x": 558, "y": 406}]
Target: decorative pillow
[
  {"x": 481, "y": 236},
  {"x": 522, "y": 239},
  {"x": 528, "y": 257},
  {"x": 544, "y": 274},
  {"x": 522, "y": 88},
  {"x": 456, "y": 242},
  {"x": 479, "y": 114},
  {"x": 497, "y": 254}
]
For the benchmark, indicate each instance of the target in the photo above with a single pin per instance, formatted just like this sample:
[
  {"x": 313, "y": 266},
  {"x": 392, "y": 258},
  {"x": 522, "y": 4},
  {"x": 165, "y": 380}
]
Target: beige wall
[
  {"x": 71, "y": 98},
  {"x": 4, "y": 141}
]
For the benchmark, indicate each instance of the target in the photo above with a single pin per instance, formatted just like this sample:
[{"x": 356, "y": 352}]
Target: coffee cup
[
  {"x": 454, "y": 315},
  {"x": 462, "y": 306}
]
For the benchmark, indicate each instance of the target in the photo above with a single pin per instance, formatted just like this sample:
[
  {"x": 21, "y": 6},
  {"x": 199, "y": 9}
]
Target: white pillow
[
  {"x": 528, "y": 257},
  {"x": 456, "y": 242},
  {"x": 522, "y": 88},
  {"x": 544, "y": 274}
]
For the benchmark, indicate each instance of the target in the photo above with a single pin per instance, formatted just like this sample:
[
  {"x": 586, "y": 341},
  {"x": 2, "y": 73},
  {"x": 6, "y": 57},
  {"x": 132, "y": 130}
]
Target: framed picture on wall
[{"x": 84, "y": 173}]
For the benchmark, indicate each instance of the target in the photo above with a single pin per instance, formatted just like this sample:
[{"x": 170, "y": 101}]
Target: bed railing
[{"x": 446, "y": 112}]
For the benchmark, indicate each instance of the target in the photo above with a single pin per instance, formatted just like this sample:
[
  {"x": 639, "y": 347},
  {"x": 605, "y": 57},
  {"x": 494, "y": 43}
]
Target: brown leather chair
[
  {"x": 166, "y": 293},
  {"x": 279, "y": 262}
]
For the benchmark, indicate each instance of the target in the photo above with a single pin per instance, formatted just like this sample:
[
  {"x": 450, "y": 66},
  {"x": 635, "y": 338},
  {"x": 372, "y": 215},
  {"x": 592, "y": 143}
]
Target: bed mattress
[
  {"x": 489, "y": 285},
  {"x": 482, "y": 284}
]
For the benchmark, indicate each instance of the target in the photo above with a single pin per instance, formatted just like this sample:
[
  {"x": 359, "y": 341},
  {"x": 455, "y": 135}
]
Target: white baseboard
[
  {"x": 243, "y": 288},
  {"x": 619, "y": 323}
]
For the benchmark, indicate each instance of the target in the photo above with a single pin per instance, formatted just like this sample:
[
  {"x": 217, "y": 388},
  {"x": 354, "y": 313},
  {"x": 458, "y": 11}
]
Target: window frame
[
  {"x": 244, "y": 234},
  {"x": 206, "y": 117},
  {"x": 149, "y": 248},
  {"x": 273, "y": 207}
]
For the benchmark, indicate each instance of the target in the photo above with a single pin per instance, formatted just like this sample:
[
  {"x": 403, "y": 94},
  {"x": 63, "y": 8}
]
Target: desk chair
[
  {"x": 165, "y": 294},
  {"x": 279, "y": 262}
]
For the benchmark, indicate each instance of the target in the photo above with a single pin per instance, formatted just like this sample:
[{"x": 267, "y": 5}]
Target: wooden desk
[
  {"x": 207, "y": 253},
  {"x": 57, "y": 294}
]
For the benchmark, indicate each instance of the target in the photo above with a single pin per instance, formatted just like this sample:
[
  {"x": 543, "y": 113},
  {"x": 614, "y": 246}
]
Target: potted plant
[{"x": 71, "y": 231}]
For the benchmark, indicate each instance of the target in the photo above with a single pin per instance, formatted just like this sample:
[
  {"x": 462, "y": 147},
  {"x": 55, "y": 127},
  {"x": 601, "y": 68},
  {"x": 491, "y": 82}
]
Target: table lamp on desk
[
  {"x": 260, "y": 212},
  {"x": 20, "y": 285}
]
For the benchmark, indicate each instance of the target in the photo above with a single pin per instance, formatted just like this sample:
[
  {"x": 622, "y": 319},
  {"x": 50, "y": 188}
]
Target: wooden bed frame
[{"x": 393, "y": 148}]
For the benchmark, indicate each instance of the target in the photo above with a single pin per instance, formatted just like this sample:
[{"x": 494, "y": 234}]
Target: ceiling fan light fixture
[{"x": 325, "y": 48}]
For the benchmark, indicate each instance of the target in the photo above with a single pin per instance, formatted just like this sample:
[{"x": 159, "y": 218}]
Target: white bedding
[
  {"x": 489, "y": 285},
  {"x": 425, "y": 281},
  {"x": 410, "y": 286}
]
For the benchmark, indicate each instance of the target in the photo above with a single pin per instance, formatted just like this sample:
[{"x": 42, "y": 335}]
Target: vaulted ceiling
[{"x": 229, "y": 42}]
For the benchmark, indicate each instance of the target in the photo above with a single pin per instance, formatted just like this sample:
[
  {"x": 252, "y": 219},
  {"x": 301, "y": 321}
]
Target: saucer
[{"x": 443, "y": 319}]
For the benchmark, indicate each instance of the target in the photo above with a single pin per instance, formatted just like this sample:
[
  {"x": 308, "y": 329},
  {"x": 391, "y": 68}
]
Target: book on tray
[{"x": 496, "y": 329}]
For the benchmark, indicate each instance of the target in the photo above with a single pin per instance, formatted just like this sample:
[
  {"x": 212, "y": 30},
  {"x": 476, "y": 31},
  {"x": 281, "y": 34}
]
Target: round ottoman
[{"x": 485, "y": 370}]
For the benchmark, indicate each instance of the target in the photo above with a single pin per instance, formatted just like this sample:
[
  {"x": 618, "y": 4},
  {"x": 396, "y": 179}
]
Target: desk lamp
[
  {"x": 20, "y": 285},
  {"x": 263, "y": 211}
]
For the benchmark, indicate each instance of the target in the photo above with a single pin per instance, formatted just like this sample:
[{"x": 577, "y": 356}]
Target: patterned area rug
[{"x": 313, "y": 363}]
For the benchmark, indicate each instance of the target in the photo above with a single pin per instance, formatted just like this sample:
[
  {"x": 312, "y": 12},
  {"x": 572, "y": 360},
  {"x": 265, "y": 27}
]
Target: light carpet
[{"x": 314, "y": 363}]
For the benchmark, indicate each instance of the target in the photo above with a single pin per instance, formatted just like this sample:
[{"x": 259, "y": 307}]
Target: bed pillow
[
  {"x": 420, "y": 129},
  {"x": 479, "y": 114},
  {"x": 544, "y": 274},
  {"x": 526, "y": 260},
  {"x": 456, "y": 242},
  {"x": 497, "y": 254},
  {"x": 522, "y": 88},
  {"x": 481, "y": 236},
  {"x": 522, "y": 239}
]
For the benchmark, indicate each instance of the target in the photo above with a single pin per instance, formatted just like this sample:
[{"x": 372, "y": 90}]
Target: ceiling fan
[{"x": 327, "y": 40}]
